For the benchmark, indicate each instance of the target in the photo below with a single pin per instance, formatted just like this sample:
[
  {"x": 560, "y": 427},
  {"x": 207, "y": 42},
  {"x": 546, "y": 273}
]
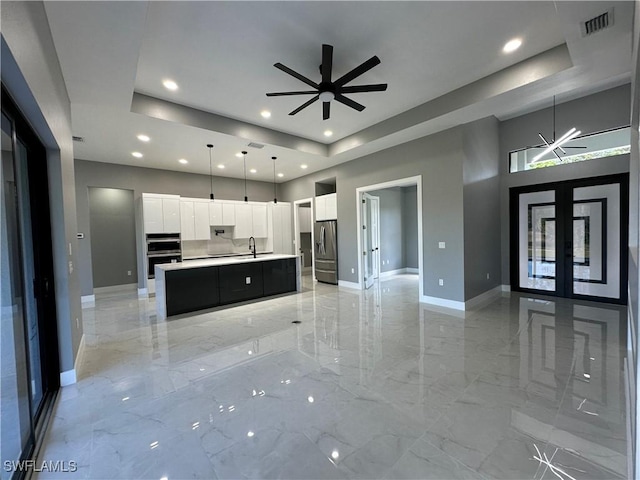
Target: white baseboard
[
  {"x": 399, "y": 271},
  {"x": 389, "y": 273},
  {"x": 442, "y": 302},
  {"x": 67, "y": 378},
  {"x": 344, "y": 283},
  {"x": 88, "y": 301},
  {"x": 506, "y": 288},
  {"x": 483, "y": 298}
]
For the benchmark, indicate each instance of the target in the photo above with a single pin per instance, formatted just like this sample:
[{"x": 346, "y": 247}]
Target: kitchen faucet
[{"x": 253, "y": 250}]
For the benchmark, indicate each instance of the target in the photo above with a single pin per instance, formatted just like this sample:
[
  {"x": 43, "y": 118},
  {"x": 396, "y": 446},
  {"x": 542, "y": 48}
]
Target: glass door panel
[
  {"x": 537, "y": 240},
  {"x": 15, "y": 412},
  {"x": 596, "y": 241}
]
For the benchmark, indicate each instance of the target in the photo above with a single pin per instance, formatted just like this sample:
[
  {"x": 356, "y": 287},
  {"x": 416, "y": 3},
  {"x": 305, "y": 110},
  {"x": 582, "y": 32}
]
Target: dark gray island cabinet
[{"x": 200, "y": 284}]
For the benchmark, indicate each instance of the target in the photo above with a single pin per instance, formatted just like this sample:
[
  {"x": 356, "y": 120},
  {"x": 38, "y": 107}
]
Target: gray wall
[
  {"x": 438, "y": 158},
  {"x": 32, "y": 74},
  {"x": 112, "y": 217},
  {"x": 481, "y": 207},
  {"x": 147, "y": 180},
  {"x": 594, "y": 113},
  {"x": 410, "y": 226}
]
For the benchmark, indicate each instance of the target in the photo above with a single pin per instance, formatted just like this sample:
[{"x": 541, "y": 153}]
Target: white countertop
[{"x": 212, "y": 262}]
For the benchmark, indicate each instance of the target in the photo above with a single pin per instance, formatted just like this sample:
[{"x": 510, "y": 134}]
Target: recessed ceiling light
[
  {"x": 328, "y": 133},
  {"x": 239, "y": 155},
  {"x": 303, "y": 166},
  {"x": 220, "y": 166},
  {"x": 170, "y": 84},
  {"x": 265, "y": 114},
  {"x": 253, "y": 170},
  {"x": 512, "y": 45},
  {"x": 183, "y": 161},
  {"x": 143, "y": 138},
  {"x": 136, "y": 154},
  {"x": 281, "y": 175}
]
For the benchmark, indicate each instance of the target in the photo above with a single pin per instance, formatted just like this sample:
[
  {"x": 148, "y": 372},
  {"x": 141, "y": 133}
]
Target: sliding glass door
[
  {"x": 29, "y": 364},
  {"x": 569, "y": 238}
]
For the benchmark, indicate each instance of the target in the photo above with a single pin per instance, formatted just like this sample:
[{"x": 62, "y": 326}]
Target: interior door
[
  {"x": 367, "y": 256},
  {"x": 375, "y": 234},
  {"x": 569, "y": 238}
]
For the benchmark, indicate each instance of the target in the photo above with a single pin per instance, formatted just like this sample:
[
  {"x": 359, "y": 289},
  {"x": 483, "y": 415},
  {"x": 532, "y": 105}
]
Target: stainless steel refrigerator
[{"x": 326, "y": 251}]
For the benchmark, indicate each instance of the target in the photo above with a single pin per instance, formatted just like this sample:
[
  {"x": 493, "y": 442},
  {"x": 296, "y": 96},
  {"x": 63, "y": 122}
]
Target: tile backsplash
[{"x": 220, "y": 245}]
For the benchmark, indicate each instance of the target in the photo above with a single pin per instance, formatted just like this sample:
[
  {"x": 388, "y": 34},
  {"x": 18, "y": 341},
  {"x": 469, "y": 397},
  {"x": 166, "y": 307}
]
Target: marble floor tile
[{"x": 370, "y": 384}]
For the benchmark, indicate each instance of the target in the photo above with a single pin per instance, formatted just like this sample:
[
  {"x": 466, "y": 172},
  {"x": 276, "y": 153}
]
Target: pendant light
[
  {"x": 210, "y": 146},
  {"x": 556, "y": 144},
  {"x": 244, "y": 159},
  {"x": 275, "y": 191}
]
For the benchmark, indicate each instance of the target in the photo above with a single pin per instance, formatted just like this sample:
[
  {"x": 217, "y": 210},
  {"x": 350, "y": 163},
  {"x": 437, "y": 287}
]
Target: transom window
[{"x": 597, "y": 145}]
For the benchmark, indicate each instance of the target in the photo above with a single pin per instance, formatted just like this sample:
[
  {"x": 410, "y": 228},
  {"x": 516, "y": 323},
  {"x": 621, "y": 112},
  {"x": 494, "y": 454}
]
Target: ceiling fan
[{"x": 326, "y": 90}]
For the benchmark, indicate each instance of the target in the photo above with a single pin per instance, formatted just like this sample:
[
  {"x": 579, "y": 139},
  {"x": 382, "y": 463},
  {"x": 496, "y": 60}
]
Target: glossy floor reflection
[{"x": 370, "y": 385}]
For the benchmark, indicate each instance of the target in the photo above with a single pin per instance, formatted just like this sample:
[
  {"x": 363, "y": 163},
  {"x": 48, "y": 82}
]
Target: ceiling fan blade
[
  {"x": 378, "y": 87},
  {"x": 326, "y": 108},
  {"x": 356, "y": 72},
  {"x": 349, "y": 103},
  {"x": 283, "y": 94},
  {"x": 327, "y": 63},
  {"x": 305, "y": 105},
  {"x": 295, "y": 74}
]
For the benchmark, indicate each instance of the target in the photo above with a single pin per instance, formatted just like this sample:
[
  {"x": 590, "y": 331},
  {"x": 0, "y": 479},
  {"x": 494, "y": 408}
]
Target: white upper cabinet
[
  {"x": 259, "y": 220},
  {"x": 222, "y": 213},
  {"x": 250, "y": 220},
  {"x": 244, "y": 221},
  {"x": 327, "y": 207},
  {"x": 161, "y": 213},
  {"x": 280, "y": 228},
  {"x": 194, "y": 219}
]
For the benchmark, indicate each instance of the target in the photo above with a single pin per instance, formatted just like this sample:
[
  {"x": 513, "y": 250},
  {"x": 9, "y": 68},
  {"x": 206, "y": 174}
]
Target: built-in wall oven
[{"x": 162, "y": 248}]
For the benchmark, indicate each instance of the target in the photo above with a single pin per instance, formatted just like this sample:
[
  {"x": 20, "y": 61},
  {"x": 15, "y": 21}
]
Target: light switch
[
  {"x": 247, "y": 280},
  {"x": 441, "y": 245},
  {"x": 441, "y": 282}
]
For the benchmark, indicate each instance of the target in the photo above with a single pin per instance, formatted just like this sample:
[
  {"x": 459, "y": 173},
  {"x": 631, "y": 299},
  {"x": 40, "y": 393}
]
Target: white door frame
[
  {"x": 401, "y": 182},
  {"x": 296, "y": 231}
]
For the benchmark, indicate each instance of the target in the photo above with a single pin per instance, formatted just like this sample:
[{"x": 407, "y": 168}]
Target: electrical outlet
[
  {"x": 77, "y": 323},
  {"x": 129, "y": 272},
  {"x": 353, "y": 270},
  {"x": 487, "y": 276},
  {"x": 441, "y": 282},
  {"x": 247, "y": 280}
]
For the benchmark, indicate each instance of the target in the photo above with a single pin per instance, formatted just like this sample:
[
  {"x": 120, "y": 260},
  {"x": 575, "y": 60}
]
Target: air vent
[
  {"x": 255, "y": 145},
  {"x": 598, "y": 23},
  {"x": 78, "y": 139}
]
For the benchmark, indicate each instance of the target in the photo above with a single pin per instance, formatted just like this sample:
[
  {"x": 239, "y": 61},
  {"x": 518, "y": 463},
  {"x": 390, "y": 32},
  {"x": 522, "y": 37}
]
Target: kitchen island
[{"x": 194, "y": 285}]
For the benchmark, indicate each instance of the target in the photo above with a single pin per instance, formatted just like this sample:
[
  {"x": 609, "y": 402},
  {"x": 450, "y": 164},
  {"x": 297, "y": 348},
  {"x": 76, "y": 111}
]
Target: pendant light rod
[
  {"x": 275, "y": 191},
  {"x": 244, "y": 159},
  {"x": 210, "y": 146}
]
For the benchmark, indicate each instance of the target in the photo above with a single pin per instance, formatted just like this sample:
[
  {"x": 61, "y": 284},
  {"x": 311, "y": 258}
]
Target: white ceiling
[{"x": 221, "y": 54}]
